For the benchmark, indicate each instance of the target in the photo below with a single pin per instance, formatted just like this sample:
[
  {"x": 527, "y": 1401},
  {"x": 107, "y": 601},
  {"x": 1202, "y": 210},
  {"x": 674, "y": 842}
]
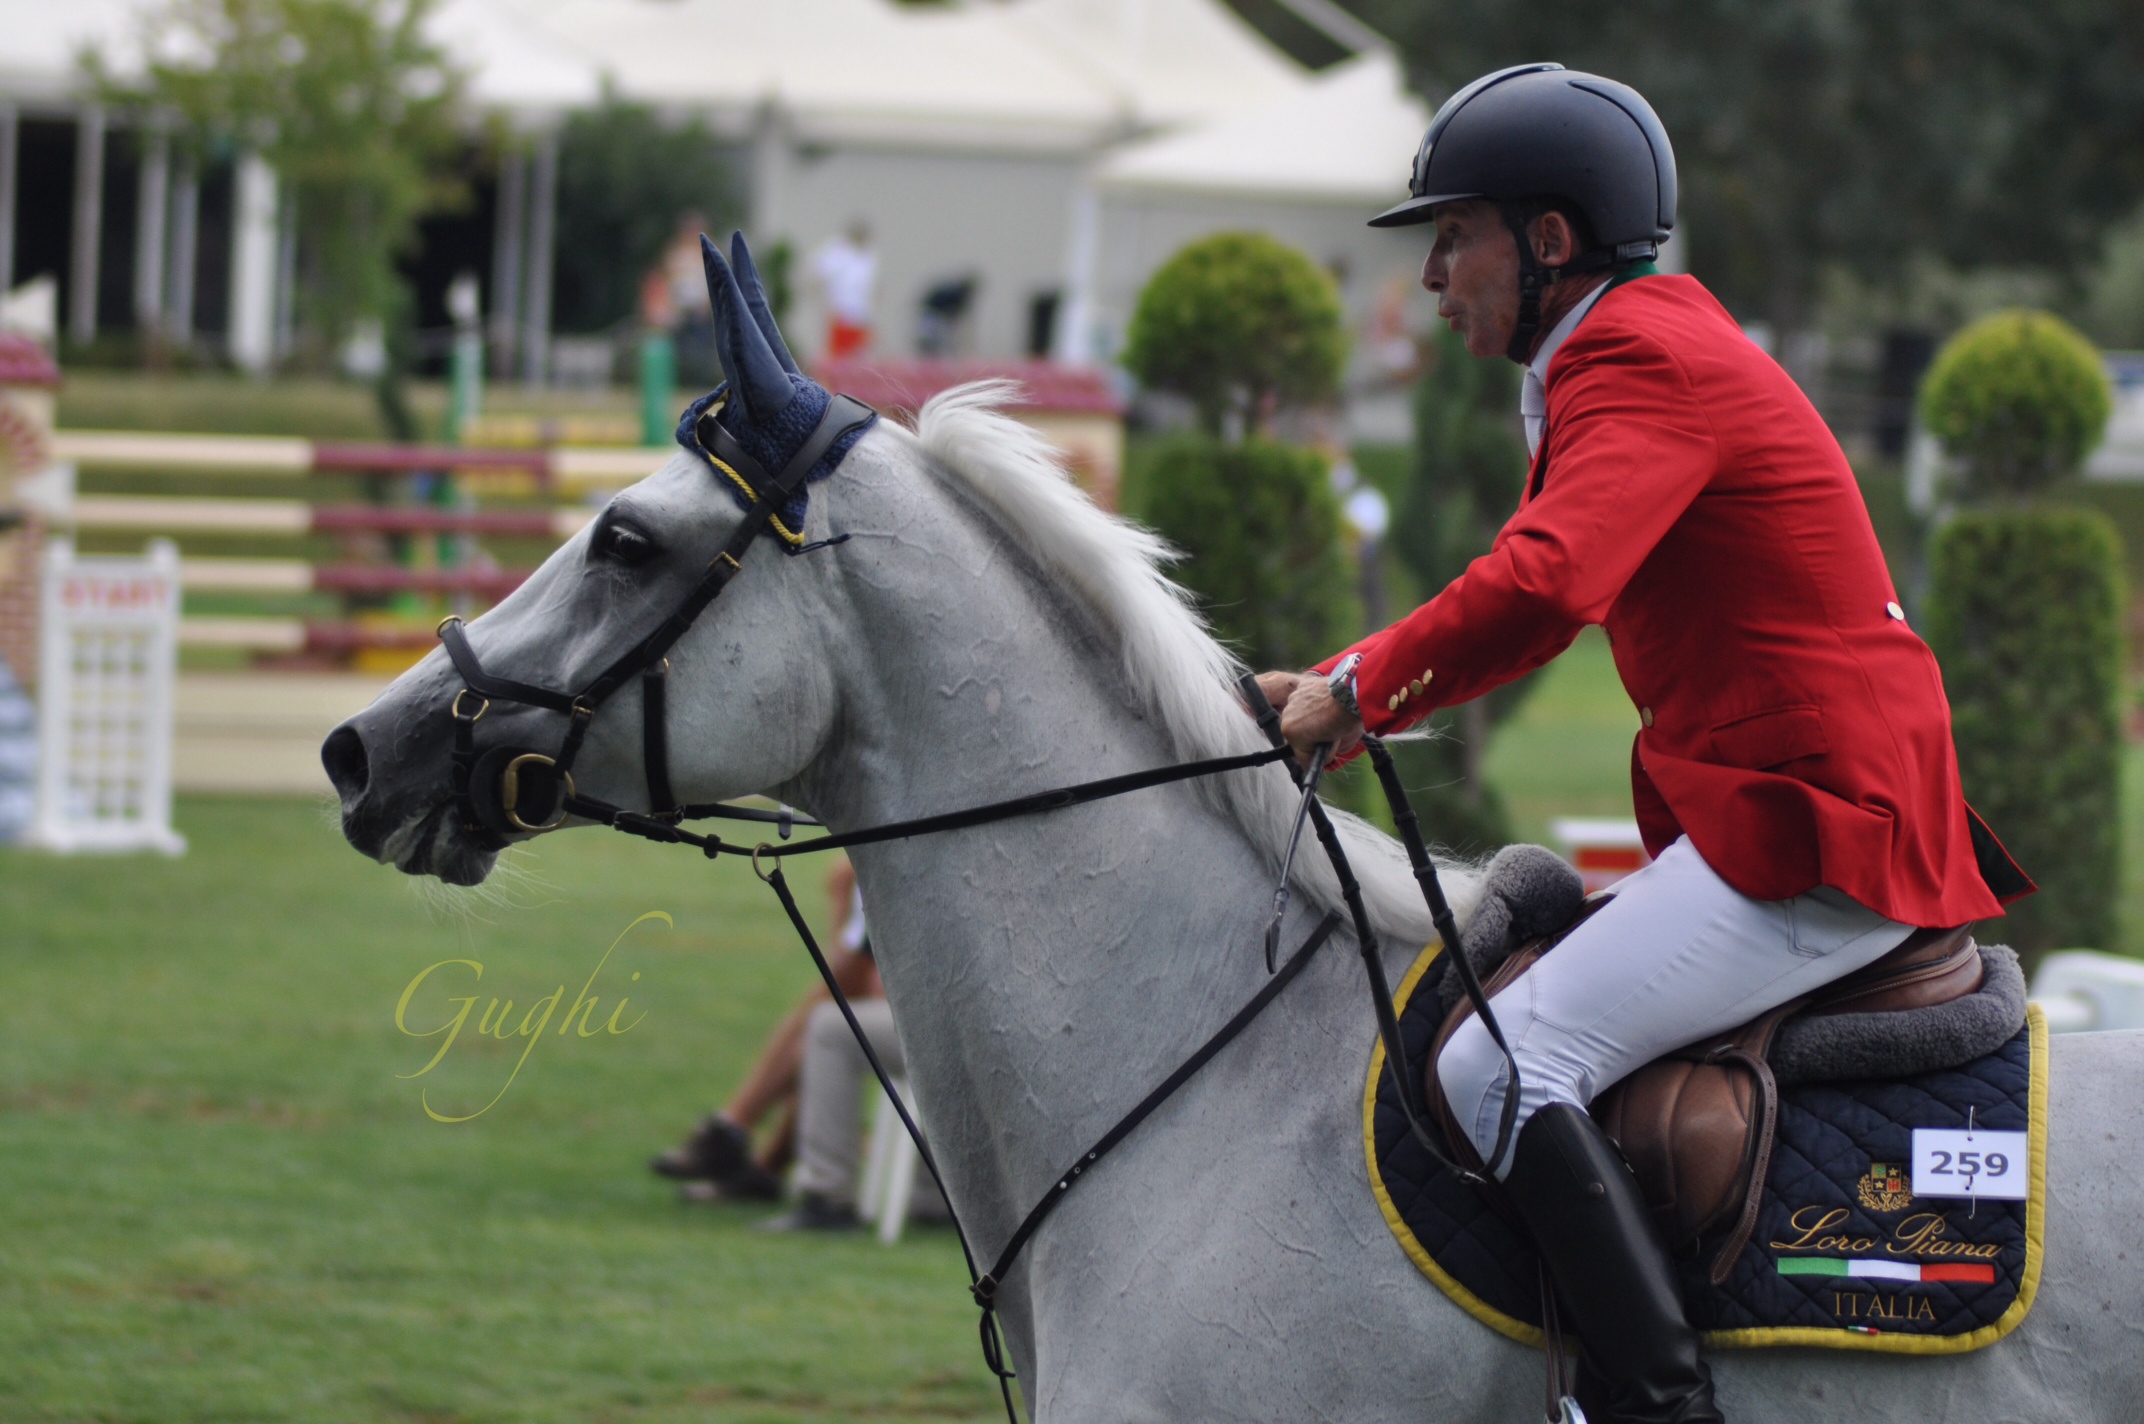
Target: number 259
[{"x": 1971, "y": 1164}]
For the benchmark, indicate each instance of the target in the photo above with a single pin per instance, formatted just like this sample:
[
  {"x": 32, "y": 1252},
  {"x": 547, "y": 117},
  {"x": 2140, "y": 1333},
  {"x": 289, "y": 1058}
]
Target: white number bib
[{"x": 1952, "y": 1162}]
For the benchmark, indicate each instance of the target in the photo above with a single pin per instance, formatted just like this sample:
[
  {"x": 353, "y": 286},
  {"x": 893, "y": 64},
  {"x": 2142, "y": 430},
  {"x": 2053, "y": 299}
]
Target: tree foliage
[
  {"x": 1239, "y": 322},
  {"x": 2025, "y": 613},
  {"x": 625, "y": 178},
  {"x": 1860, "y": 133},
  {"x": 353, "y": 107},
  {"x": 1260, "y": 529},
  {"x": 2020, "y": 398}
]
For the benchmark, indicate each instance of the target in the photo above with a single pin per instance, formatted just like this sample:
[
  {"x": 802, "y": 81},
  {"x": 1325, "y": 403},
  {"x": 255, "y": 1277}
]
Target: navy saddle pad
[{"x": 1844, "y": 1254}]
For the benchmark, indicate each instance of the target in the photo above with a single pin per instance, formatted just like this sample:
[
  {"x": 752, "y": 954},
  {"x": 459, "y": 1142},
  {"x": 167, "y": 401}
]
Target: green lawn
[
  {"x": 1566, "y": 751},
  {"x": 218, "y": 1202}
]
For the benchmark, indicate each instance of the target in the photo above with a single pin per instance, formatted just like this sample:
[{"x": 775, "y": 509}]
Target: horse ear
[
  {"x": 755, "y": 297},
  {"x": 758, "y": 383}
]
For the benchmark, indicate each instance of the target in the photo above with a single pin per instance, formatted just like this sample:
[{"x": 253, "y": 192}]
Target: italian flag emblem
[{"x": 1969, "y": 1273}]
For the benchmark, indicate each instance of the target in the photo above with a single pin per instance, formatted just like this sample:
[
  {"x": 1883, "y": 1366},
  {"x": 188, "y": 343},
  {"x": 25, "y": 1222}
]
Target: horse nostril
[{"x": 343, "y": 754}]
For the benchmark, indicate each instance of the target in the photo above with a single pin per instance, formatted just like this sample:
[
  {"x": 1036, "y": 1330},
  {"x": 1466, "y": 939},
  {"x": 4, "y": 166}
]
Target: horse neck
[{"x": 1044, "y": 970}]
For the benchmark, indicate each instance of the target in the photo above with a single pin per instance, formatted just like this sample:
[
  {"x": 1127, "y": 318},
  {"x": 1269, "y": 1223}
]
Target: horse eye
[{"x": 622, "y": 543}]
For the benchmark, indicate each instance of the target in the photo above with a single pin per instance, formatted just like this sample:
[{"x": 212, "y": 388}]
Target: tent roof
[
  {"x": 40, "y": 44},
  {"x": 1345, "y": 137},
  {"x": 510, "y": 65},
  {"x": 1164, "y": 62},
  {"x": 843, "y": 68},
  {"x": 1007, "y": 73},
  {"x": 1067, "y": 75}
]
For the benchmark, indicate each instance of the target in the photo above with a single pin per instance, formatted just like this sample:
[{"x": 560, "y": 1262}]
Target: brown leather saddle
[{"x": 1697, "y": 1124}]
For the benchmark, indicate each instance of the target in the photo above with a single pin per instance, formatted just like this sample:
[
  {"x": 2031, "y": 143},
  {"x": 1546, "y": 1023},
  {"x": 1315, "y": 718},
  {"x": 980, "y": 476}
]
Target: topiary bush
[
  {"x": 2020, "y": 399},
  {"x": 2025, "y": 613},
  {"x": 1260, "y": 527},
  {"x": 1239, "y": 322}
]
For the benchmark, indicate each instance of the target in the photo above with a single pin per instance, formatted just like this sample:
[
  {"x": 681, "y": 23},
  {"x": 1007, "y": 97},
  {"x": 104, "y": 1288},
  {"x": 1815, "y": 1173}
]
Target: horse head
[{"x": 751, "y": 688}]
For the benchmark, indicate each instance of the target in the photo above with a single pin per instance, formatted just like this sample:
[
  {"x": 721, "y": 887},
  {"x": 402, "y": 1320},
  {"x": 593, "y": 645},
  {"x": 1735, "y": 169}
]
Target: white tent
[
  {"x": 1310, "y": 167},
  {"x": 1067, "y": 74},
  {"x": 980, "y": 140},
  {"x": 509, "y": 66},
  {"x": 1347, "y": 137},
  {"x": 1164, "y": 62},
  {"x": 842, "y": 69},
  {"x": 41, "y": 44}
]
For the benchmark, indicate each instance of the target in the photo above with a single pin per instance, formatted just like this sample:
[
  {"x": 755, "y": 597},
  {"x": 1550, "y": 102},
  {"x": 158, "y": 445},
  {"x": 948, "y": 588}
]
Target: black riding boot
[{"x": 1611, "y": 1270}]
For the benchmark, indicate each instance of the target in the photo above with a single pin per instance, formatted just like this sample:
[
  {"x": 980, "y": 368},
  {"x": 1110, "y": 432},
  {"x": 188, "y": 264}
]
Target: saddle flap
[{"x": 1682, "y": 1125}]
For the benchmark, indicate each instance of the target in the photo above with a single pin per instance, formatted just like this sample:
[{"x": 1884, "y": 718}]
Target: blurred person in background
[
  {"x": 846, "y": 270},
  {"x": 681, "y": 305},
  {"x": 717, "y": 1163}
]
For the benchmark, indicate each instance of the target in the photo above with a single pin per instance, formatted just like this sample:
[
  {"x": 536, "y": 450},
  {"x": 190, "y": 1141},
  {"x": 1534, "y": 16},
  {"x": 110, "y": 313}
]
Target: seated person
[{"x": 717, "y": 1161}]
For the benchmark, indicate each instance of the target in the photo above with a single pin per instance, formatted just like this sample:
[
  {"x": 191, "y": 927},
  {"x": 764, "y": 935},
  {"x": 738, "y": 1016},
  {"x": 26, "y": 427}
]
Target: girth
[{"x": 510, "y": 789}]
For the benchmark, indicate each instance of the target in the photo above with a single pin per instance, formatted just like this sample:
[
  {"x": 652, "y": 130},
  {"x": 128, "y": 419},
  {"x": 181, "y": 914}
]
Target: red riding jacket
[{"x": 1688, "y": 497}]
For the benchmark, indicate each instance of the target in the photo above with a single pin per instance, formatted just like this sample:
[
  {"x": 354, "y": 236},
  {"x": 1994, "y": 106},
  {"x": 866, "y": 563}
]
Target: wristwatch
[{"x": 1342, "y": 683}]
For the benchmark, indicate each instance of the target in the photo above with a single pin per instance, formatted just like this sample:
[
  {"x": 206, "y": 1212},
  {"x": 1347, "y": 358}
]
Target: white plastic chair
[
  {"x": 2082, "y": 990},
  {"x": 889, "y": 1185}
]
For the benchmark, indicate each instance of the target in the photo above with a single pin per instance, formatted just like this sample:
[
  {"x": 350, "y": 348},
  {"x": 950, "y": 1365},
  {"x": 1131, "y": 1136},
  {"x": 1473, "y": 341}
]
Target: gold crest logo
[{"x": 1885, "y": 1188}]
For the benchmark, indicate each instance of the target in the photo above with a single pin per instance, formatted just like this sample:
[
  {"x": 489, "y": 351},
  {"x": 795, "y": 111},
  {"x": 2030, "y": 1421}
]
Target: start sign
[{"x": 108, "y": 638}]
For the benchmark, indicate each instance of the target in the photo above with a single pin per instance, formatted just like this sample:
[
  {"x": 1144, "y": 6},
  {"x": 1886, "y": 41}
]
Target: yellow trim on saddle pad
[{"x": 1840, "y": 1339}]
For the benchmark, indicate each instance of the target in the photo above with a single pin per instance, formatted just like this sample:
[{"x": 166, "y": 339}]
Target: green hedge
[
  {"x": 2025, "y": 612},
  {"x": 1260, "y": 527}
]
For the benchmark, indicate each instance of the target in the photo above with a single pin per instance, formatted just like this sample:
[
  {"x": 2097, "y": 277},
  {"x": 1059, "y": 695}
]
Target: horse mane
[{"x": 1185, "y": 680}]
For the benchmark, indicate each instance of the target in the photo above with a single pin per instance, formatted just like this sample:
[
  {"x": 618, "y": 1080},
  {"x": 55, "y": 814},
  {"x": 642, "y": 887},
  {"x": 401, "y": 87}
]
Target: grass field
[{"x": 218, "y": 1202}]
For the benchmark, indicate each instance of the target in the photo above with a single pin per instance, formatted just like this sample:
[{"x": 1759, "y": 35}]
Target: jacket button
[
  {"x": 1645, "y": 715},
  {"x": 1895, "y": 611},
  {"x": 1392, "y": 704}
]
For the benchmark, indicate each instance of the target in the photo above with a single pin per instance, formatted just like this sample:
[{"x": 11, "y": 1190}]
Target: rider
[{"x": 1794, "y": 776}]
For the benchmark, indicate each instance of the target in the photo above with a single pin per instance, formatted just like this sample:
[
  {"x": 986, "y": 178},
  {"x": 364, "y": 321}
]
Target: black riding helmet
[{"x": 1542, "y": 131}]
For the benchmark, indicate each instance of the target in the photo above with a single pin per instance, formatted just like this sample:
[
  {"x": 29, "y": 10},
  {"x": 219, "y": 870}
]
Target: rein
[{"x": 493, "y": 789}]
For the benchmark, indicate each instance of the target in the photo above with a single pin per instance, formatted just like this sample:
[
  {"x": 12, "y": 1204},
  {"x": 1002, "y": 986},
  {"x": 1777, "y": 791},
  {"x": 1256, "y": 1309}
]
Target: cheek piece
[{"x": 509, "y": 790}]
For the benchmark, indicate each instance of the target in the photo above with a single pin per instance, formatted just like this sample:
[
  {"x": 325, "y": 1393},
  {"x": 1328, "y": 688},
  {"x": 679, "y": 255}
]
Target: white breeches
[{"x": 1677, "y": 956}]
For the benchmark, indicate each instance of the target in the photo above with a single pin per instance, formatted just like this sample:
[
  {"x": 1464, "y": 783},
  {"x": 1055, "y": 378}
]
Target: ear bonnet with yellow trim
[{"x": 765, "y": 402}]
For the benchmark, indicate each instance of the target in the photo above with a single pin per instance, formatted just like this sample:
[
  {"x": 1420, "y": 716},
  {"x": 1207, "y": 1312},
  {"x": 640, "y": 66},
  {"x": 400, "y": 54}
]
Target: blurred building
[{"x": 1021, "y": 165}]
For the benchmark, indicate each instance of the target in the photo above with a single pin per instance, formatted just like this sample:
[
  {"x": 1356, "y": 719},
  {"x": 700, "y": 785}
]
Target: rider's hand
[
  {"x": 1280, "y": 686},
  {"x": 1312, "y": 716}
]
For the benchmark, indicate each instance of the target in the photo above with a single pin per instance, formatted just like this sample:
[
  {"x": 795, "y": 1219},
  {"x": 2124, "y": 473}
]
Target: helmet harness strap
[{"x": 1535, "y": 278}]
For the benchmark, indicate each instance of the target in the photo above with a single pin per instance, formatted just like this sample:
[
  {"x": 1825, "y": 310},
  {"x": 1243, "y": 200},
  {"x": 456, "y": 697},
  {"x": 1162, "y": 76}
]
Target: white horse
[{"x": 986, "y": 631}]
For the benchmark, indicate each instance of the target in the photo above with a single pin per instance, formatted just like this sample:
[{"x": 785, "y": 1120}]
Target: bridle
[{"x": 510, "y": 789}]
